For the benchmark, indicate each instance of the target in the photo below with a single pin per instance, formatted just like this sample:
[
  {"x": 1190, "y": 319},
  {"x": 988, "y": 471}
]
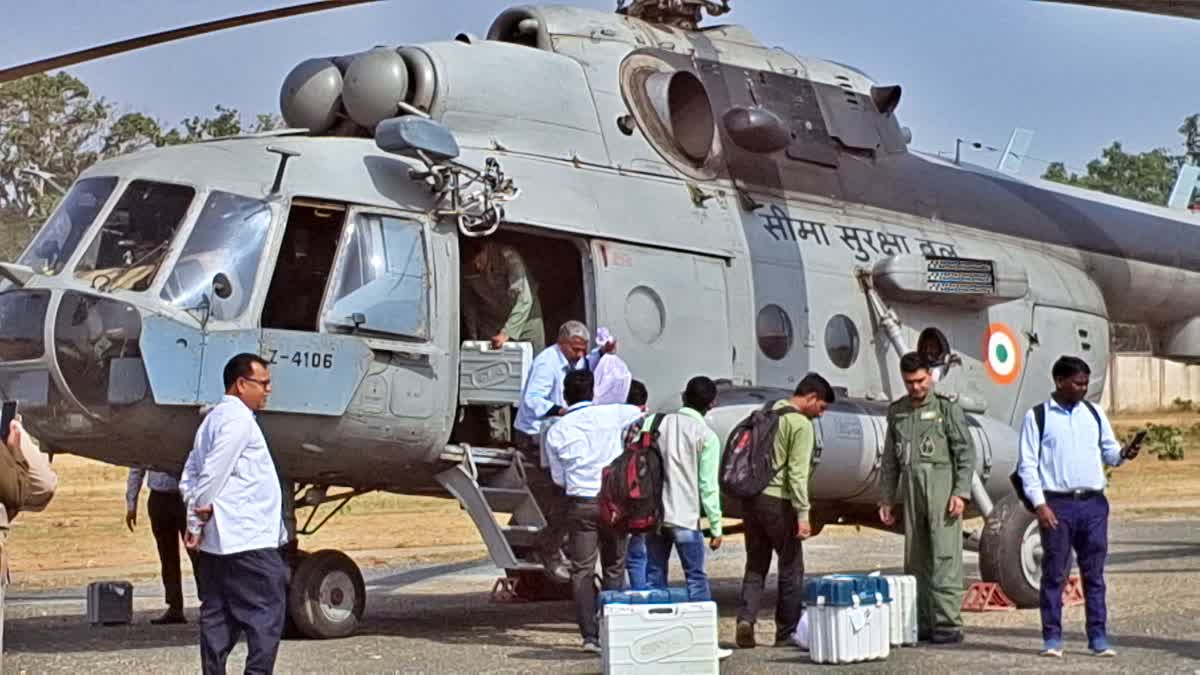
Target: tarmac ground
[{"x": 440, "y": 619}]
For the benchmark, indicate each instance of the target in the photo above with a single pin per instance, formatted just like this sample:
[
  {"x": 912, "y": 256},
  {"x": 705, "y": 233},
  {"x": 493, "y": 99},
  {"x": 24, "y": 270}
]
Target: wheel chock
[
  {"x": 1073, "y": 593},
  {"x": 505, "y": 590},
  {"x": 986, "y": 596}
]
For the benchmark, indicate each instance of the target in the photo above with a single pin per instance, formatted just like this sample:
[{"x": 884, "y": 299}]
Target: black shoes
[
  {"x": 745, "y": 636},
  {"x": 946, "y": 638},
  {"x": 170, "y": 617}
]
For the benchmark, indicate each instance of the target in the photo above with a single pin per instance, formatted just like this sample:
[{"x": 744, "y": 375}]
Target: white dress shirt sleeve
[
  {"x": 229, "y": 440},
  {"x": 571, "y": 452},
  {"x": 1029, "y": 461},
  {"x": 1110, "y": 447},
  {"x": 133, "y": 487}
]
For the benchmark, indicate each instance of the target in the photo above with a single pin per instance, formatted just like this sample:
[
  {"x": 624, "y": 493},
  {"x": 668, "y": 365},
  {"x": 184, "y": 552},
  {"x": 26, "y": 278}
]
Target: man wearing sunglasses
[{"x": 235, "y": 524}]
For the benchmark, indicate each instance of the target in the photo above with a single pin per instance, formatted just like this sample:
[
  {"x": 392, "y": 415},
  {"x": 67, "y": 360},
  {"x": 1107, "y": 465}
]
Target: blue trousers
[
  {"x": 635, "y": 562},
  {"x": 241, "y": 593},
  {"x": 1082, "y": 526},
  {"x": 690, "y": 545}
]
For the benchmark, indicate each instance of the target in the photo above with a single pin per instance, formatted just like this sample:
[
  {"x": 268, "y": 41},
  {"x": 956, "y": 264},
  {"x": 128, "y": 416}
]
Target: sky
[{"x": 1078, "y": 77}]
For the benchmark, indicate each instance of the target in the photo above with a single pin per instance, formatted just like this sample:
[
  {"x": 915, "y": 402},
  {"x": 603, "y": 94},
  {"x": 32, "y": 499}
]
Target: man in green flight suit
[
  {"x": 928, "y": 459},
  {"x": 500, "y": 303}
]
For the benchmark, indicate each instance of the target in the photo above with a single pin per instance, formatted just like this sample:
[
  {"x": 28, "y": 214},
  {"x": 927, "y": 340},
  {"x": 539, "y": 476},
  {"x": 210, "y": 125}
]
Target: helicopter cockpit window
[
  {"x": 228, "y": 238},
  {"x": 383, "y": 282},
  {"x": 57, "y": 241},
  {"x": 133, "y": 241}
]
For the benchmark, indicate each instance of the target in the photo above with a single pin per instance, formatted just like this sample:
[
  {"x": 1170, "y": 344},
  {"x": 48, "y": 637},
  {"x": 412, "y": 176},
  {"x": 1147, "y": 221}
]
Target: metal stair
[{"x": 488, "y": 482}]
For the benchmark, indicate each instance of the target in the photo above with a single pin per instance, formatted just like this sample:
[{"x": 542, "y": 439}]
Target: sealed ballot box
[
  {"x": 109, "y": 603},
  {"x": 903, "y": 615},
  {"x": 848, "y": 619},
  {"x": 652, "y": 632}
]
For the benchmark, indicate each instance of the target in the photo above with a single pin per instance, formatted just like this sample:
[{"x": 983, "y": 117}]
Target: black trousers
[
  {"x": 771, "y": 528},
  {"x": 587, "y": 542},
  {"x": 168, "y": 522},
  {"x": 241, "y": 593}
]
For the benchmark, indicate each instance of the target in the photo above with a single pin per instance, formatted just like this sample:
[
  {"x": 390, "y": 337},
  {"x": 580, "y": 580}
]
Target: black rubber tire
[
  {"x": 536, "y": 586},
  {"x": 1000, "y": 551},
  {"x": 304, "y": 596}
]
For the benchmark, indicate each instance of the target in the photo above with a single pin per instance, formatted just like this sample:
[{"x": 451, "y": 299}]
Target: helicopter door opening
[{"x": 556, "y": 266}]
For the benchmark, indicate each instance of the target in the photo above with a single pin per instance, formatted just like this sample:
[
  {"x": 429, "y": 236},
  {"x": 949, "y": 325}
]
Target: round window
[
  {"x": 841, "y": 341},
  {"x": 933, "y": 345},
  {"x": 774, "y": 329}
]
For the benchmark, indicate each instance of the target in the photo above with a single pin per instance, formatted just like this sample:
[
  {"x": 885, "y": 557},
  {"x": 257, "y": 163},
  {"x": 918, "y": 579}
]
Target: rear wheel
[
  {"x": 537, "y": 586},
  {"x": 327, "y": 595},
  {"x": 1010, "y": 552}
]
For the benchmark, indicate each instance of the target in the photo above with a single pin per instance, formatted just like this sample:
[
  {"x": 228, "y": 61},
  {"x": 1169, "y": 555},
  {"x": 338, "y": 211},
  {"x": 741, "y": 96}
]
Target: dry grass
[{"x": 81, "y": 536}]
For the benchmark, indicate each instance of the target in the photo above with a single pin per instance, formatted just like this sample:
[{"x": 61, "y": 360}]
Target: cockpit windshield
[
  {"x": 131, "y": 245},
  {"x": 59, "y": 238},
  {"x": 221, "y": 256}
]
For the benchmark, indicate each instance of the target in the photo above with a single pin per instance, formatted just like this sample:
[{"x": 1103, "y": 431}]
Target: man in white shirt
[
  {"x": 542, "y": 401},
  {"x": 168, "y": 523},
  {"x": 587, "y": 439},
  {"x": 235, "y": 522}
]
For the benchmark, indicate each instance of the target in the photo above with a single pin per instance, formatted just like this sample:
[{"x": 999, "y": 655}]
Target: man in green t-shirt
[{"x": 777, "y": 520}]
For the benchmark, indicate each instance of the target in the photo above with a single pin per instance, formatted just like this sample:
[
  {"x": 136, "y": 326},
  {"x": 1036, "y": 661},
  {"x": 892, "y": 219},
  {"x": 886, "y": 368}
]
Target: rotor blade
[
  {"x": 1188, "y": 9},
  {"x": 131, "y": 44}
]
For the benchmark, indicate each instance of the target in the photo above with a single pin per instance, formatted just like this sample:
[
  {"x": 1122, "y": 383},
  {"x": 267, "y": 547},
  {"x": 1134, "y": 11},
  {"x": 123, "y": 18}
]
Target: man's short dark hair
[
  {"x": 913, "y": 361},
  {"x": 700, "y": 394},
  {"x": 815, "y": 384},
  {"x": 1070, "y": 366},
  {"x": 240, "y": 366},
  {"x": 577, "y": 386},
  {"x": 637, "y": 394}
]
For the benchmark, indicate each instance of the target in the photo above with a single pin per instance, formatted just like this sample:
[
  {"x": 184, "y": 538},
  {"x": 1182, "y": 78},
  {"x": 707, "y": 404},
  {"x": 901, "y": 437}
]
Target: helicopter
[{"x": 727, "y": 207}]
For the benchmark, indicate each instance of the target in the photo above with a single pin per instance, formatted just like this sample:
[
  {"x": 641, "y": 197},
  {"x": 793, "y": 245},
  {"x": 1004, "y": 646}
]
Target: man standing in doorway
[
  {"x": 235, "y": 522},
  {"x": 168, "y": 523},
  {"x": 500, "y": 304},
  {"x": 777, "y": 520},
  {"x": 1062, "y": 468},
  {"x": 928, "y": 458}
]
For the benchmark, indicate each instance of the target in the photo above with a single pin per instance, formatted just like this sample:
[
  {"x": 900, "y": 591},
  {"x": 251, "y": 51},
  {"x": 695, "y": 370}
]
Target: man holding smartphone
[{"x": 1065, "y": 444}]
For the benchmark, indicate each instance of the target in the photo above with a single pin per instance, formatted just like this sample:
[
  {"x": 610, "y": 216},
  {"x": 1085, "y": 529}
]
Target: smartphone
[
  {"x": 7, "y": 414},
  {"x": 1139, "y": 437}
]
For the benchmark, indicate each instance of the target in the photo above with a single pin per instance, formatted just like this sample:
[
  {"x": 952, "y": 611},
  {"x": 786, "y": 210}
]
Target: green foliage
[
  {"x": 52, "y": 128},
  {"x": 1183, "y": 405},
  {"x": 1167, "y": 441},
  {"x": 1146, "y": 176}
]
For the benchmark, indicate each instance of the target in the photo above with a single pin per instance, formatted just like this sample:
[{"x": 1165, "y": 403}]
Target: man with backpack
[
  {"x": 691, "y": 455},
  {"x": 928, "y": 458},
  {"x": 767, "y": 462},
  {"x": 581, "y": 444},
  {"x": 1065, "y": 444}
]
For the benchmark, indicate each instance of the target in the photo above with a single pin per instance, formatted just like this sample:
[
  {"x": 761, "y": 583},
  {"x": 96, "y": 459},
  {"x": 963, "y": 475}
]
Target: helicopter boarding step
[{"x": 486, "y": 490}]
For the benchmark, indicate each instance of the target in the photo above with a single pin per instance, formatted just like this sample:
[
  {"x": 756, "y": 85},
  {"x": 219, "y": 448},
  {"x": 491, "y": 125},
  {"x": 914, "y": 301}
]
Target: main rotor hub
[{"x": 682, "y": 14}]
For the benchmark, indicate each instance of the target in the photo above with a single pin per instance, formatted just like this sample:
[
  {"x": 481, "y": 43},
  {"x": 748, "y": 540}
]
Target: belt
[
  {"x": 574, "y": 499},
  {"x": 1077, "y": 495}
]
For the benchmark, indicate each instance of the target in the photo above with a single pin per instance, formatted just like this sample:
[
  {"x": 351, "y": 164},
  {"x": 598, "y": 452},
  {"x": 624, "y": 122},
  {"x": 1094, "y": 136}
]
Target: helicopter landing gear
[
  {"x": 1010, "y": 552},
  {"x": 327, "y": 595}
]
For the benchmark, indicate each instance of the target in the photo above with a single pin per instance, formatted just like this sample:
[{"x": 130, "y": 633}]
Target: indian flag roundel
[{"x": 1002, "y": 355}]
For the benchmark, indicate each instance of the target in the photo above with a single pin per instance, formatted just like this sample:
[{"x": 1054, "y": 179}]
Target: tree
[
  {"x": 1146, "y": 177},
  {"x": 48, "y": 126}
]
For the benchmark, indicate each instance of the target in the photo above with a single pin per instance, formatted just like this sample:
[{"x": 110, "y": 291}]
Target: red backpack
[{"x": 632, "y": 485}]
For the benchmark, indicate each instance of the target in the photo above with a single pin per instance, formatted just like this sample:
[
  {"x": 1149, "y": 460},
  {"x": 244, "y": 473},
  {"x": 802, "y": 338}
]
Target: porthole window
[
  {"x": 774, "y": 328},
  {"x": 841, "y": 341},
  {"x": 933, "y": 345}
]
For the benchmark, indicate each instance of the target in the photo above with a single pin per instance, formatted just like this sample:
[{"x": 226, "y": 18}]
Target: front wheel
[
  {"x": 327, "y": 595},
  {"x": 1010, "y": 552}
]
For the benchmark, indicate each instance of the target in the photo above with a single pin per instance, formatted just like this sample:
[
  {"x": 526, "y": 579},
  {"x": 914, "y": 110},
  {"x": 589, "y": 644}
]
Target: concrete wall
[{"x": 1140, "y": 383}]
